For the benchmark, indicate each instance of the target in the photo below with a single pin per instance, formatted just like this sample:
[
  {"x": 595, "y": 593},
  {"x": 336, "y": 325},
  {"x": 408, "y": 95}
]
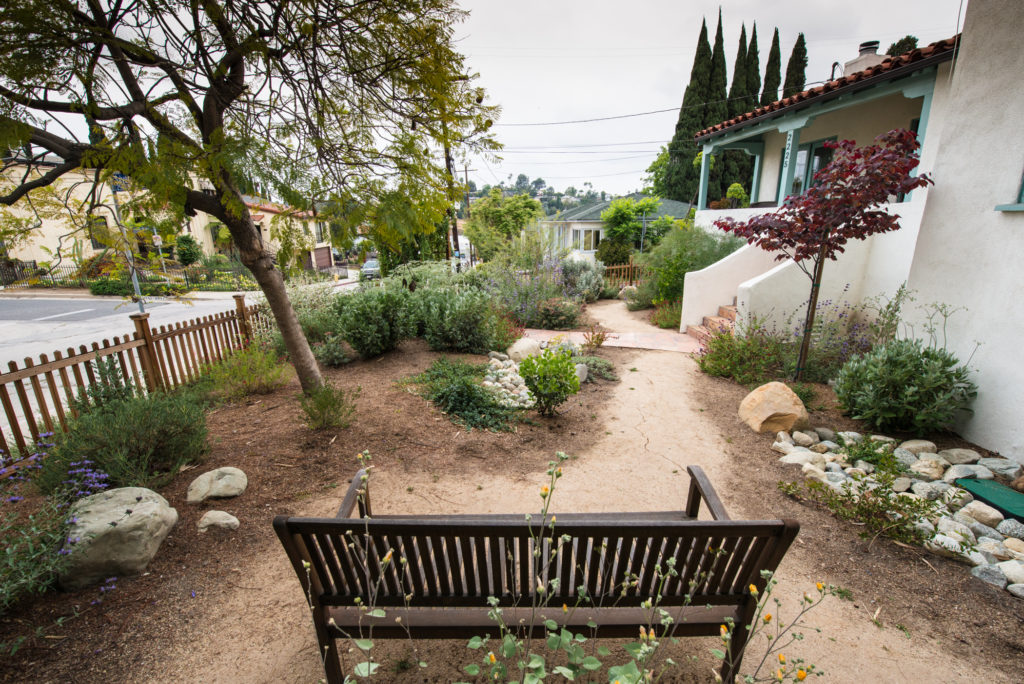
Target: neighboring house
[
  {"x": 58, "y": 235},
  {"x": 958, "y": 239},
  {"x": 580, "y": 230}
]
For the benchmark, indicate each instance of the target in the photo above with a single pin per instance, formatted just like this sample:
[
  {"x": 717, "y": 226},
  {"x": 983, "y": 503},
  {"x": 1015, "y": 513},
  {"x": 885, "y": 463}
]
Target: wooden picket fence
[
  {"x": 624, "y": 274},
  {"x": 39, "y": 397}
]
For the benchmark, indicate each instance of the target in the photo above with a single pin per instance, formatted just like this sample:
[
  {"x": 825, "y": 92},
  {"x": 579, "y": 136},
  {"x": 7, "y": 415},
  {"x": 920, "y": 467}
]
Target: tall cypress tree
[
  {"x": 681, "y": 178},
  {"x": 717, "y": 110},
  {"x": 734, "y": 163},
  {"x": 753, "y": 72},
  {"x": 772, "y": 73},
  {"x": 795, "y": 77}
]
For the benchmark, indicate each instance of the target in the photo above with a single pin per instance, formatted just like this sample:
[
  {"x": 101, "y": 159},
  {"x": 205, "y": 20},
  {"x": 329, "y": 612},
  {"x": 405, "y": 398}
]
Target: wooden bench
[{"x": 436, "y": 572}]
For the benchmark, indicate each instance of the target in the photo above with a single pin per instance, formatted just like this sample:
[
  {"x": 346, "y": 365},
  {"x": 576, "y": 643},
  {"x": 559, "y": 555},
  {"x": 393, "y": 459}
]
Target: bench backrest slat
[{"x": 395, "y": 561}]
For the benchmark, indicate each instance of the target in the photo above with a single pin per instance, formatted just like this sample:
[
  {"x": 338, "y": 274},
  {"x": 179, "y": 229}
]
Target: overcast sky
[{"x": 564, "y": 60}]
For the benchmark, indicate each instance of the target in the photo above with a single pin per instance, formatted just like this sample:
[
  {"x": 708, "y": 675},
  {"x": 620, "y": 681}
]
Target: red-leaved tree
[{"x": 843, "y": 203}]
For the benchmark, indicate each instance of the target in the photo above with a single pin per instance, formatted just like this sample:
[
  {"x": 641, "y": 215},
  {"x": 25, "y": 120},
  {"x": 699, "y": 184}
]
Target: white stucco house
[
  {"x": 580, "y": 229},
  {"x": 959, "y": 239}
]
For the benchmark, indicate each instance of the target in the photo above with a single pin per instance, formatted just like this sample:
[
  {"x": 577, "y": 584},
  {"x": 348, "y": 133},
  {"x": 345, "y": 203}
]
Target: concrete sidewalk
[{"x": 658, "y": 340}]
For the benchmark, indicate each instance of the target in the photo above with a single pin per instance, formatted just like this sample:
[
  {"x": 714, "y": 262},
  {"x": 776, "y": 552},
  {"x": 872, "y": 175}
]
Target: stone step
[
  {"x": 698, "y": 332},
  {"x": 728, "y": 312},
  {"x": 717, "y": 323}
]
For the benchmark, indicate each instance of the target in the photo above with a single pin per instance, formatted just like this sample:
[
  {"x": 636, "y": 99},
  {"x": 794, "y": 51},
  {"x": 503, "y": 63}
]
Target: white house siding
[{"x": 968, "y": 255}]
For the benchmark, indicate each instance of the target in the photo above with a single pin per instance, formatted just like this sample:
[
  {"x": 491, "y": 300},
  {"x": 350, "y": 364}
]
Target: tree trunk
[
  {"x": 255, "y": 256},
  {"x": 812, "y": 307}
]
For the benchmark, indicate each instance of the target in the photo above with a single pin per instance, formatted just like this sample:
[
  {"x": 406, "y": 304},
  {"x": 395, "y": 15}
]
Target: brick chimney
[{"x": 868, "y": 57}]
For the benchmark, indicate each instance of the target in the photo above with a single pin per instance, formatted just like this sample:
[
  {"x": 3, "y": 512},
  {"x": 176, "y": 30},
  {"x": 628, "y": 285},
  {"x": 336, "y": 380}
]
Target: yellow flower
[
  {"x": 724, "y": 630},
  {"x": 801, "y": 675},
  {"x": 753, "y": 590},
  {"x": 553, "y": 519},
  {"x": 821, "y": 587},
  {"x": 643, "y": 633},
  {"x": 782, "y": 659},
  {"x": 491, "y": 658},
  {"x": 565, "y": 608},
  {"x": 767, "y": 618},
  {"x": 778, "y": 674},
  {"x": 544, "y": 491}
]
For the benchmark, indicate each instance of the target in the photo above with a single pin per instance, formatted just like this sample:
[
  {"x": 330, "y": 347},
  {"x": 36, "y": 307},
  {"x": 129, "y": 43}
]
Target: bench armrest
[
  {"x": 358, "y": 493},
  {"x": 700, "y": 488}
]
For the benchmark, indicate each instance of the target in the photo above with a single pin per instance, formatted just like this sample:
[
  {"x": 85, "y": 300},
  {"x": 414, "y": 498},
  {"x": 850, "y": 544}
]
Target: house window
[
  {"x": 322, "y": 233},
  {"x": 1019, "y": 204},
  {"x": 586, "y": 240},
  {"x": 811, "y": 158}
]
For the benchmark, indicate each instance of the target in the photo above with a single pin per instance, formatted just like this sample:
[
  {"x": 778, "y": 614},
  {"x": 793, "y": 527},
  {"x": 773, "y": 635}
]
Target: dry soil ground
[{"x": 228, "y": 608}]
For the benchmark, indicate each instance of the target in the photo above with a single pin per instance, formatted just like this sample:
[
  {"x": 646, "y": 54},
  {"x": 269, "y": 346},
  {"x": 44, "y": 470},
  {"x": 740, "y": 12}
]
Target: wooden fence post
[
  {"x": 147, "y": 352},
  {"x": 244, "y": 325}
]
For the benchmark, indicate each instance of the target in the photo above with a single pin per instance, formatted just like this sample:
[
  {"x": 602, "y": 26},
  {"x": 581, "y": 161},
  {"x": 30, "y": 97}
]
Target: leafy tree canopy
[
  {"x": 319, "y": 100},
  {"x": 902, "y": 46},
  {"x": 496, "y": 219},
  {"x": 622, "y": 219}
]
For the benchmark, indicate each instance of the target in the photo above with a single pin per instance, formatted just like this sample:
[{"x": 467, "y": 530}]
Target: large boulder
[
  {"x": 115, "y": 533},
  {"x": 522, "y": 348},
  {"x": 1002, "y": 466},
  {"x": 773, "y": 407},
  {"x": 221, "y": 483}
]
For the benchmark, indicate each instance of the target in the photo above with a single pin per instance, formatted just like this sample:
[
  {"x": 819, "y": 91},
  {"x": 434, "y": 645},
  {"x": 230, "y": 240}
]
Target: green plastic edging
[{"x": 1007, "y": 501}]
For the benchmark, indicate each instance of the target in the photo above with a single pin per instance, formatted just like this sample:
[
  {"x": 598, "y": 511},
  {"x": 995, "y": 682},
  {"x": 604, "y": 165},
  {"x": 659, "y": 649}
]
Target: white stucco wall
[{"x": 967, "y": 253}]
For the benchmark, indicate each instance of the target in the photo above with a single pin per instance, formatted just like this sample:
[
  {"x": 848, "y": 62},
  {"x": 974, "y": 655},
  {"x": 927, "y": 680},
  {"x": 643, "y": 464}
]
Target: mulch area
[
  {"x": 286, "y": 464},
  {"x": 925, "y": 594}
]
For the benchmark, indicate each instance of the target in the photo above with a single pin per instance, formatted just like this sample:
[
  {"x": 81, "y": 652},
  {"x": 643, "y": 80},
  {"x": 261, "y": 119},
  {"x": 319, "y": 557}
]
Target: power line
[
  {"x": 577, "y": 151},
  {"x": 560, "y": 147}
]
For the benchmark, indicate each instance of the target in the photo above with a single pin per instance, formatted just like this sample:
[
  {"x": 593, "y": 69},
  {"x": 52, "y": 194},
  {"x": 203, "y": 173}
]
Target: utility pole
[{"x": 465, "y": 172}]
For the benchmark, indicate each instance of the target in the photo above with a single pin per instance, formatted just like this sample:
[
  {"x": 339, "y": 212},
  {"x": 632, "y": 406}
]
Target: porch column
[
  {"x": 788, "y": 164},
  {"x": 755, "y": 184},
  {"x": 924, "y": 90},
  {"x": 705, "y": 175}
]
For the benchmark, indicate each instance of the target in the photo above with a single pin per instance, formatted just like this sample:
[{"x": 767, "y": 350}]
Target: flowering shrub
[
  {"x": 521, "y": 293},
  {"x": 558, "y": 314}
]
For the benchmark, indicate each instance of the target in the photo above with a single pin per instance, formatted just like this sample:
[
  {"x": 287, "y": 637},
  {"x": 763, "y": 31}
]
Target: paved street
[{"x": 30, "y": 324}]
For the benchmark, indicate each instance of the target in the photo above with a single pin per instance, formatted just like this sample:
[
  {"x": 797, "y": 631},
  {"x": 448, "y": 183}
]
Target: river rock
[
  {"x": 829, "y": 444},
  {"x": 1014, "y": 544},
  {"x": 956, "y": 530},
  {"x": 990, "y": 574},
  {"x": 219, "y": 519},
  {"x": 784, "y": 437},
  {"x": 960, "y": 456},
  {"x": 802, "y": 457},
  {"x": 813, "y": 473},
  {"x": 917, "y": 446},
  {"x": 929, "y": 490},
  {"x": 966, "y": 470},
  {"x": 581, "y": 372},
  {"x": 997, "y": 549},
  {"x": 1014, "y": 571},
  {"x": 930, "y": 470},
  {"x": 805, "y": 439},
  {"x": 983, "y": 513},
  {"x": 116, "y": 533},
  {"x": 773, "y": 407},
  {"x": 957, "y": 498},
  {"x": 1011, "y": 528},
  {"x": 904, "y": 458},
  {"x": 221, "y": 483},
  {"x": 522, "y": 348},
  {"x": 850, "y": 437},
  {"x": 825, "y": 434},
  {"x": 1016, "y": 589},
  {"x": 498, "y": 356},
  {"x": 1002, "y": 466},
  {"x": 901, "y": 484}
]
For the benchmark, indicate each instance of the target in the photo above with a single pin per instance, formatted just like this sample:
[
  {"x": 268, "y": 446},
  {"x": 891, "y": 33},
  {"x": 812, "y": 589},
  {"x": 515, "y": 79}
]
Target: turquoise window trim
[
  {"x": 1014, "y": 206},
  {"x": 805, "y": 178}
]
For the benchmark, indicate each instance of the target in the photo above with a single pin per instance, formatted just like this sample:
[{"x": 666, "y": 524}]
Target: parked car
[{"x": 370, "y": 270}]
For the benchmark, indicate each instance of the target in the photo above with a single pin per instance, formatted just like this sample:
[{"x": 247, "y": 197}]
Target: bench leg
[
  {"x": 740, "y": 634},
  {"x": 328, "y": 649}
]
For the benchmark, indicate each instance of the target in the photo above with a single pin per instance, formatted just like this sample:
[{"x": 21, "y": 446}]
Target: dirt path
[
  {"x": 613, "y": 315},
  {"x": 655, "y": 425}
]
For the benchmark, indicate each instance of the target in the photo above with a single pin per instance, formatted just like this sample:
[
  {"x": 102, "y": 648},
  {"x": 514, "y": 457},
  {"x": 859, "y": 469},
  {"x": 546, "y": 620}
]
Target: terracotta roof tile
[{"x": 890, "y": 64}]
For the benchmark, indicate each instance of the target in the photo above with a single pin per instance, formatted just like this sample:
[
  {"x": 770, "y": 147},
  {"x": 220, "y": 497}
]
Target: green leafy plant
[
  {"x": 598, "y": 367},
  {"x": 375, "y": 320},
  {"x": 137, "y": 442},
  {"x": 329, "y": 407},
  {"x": 613, "y": 253},
  {"x": 458, "y": 320},
  {"x": 189, "y": 251},
  {"x": 331, "y": 351},
  {"x": 877, "y": 453},
  {"x": 667, "y": 314},
  {"x": 750, "y": 355},
  {"x": 804, "y": 392},
  {"x": 558, "y": 314},
  {"x": 110, "y": 385},
  {"x": 583, "y": 280},
  {"x": 454, "y": 387},
  {"x": 551, "y": 378},
  {"x": 249, "y": 371},
  {"x": 907, "y": 386},
  {"x": 682, "y": 250},
  {"x": 594, "y": 338}
]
